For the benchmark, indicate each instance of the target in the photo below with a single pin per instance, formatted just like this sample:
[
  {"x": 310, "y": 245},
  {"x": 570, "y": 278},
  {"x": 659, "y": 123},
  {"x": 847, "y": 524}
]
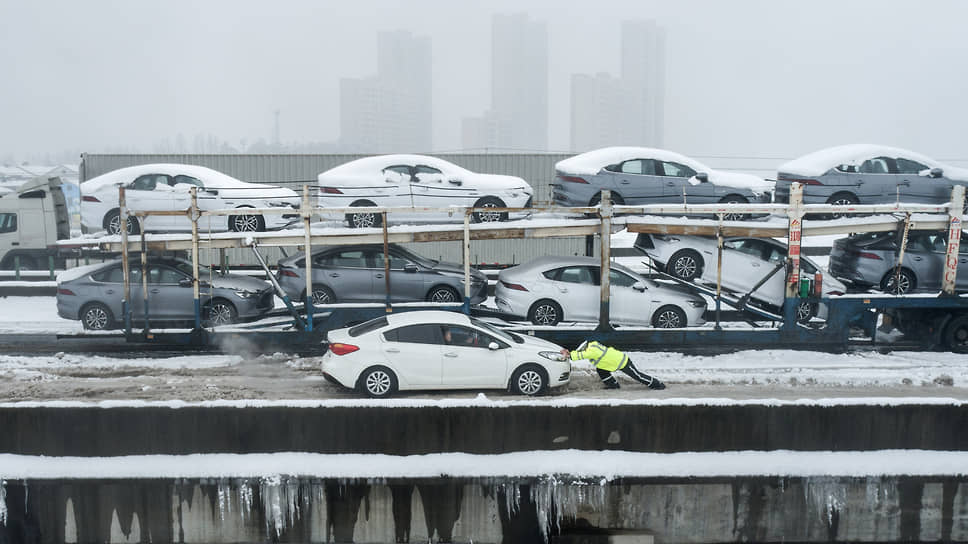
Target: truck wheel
[{"x": 956, "y": 335}]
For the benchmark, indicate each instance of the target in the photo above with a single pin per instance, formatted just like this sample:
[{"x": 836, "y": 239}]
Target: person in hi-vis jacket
[{"x": 607, "y": 360}]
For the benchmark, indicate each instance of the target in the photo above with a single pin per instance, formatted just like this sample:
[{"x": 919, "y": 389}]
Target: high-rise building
[
  {"x": 629, "y": 109},
  {"x": 391, "y": 111},
  {"x": 518, "y": 117}
]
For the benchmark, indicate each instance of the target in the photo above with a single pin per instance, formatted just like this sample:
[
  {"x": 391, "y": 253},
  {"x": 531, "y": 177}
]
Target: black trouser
[{"x": 636, "y": 374}]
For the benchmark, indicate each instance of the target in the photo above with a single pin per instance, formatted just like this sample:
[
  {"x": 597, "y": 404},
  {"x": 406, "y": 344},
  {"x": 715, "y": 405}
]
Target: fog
[{"x": 743, "y": 78}]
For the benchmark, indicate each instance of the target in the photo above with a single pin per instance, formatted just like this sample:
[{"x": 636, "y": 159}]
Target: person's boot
[
  {"x": 612, "y": 385},
  {"x": 656, "y": 384}
]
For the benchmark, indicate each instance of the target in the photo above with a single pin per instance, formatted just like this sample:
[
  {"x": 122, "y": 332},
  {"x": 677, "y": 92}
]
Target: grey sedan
[
  {"x": 357, "y": 274},
  {"x": 93, "y": 294},
  {"x": 870, "y": 260},
  {"x": 868, "y": 174}
]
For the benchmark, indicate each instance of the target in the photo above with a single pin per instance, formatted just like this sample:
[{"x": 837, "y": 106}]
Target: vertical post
[
  {"x": 144, "y": 283},
  {"x": 125, "y": 265},
  {"x": 223, "y": 261},
  {"x": 386, "y": 261},
  {"x": 954, "y": 240},
  {"x": 306, "y": 211},
  {"x": 50, "y": 266},
  {"x": 196, "y": 298},
  {"x": 604, "y": 323},
  {"x": 466, "y": 308},
  {"x": 719, "y": 269},
  {"x": 795, "y": 215},
  {"x": 16, "y": 267},
  {"x": 900, "y": 254}
]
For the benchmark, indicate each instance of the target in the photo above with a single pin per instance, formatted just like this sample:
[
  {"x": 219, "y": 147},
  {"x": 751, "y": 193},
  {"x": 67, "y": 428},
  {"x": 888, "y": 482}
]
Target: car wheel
[
  {"x": 545, "y": 312},
  {"x": 443, "y": 295},
  {"x": 529, "y": 380},
  {"x": 956, "y": 334},
  {"x": 842, "y": 199},
  {"x": 321, "y": 295},
  {"x": 486, "y": 216},
  {"x": 364, "y": 220},
  {"x": 378, "y": 382},
  {"x": 685, "y": 264},
  {"x": 220, "y": 312},
  {"x": 112, "y": 223},
  {"x": 734, "y": 199},
  {"x": 96, "y": 317},
  {"x": 669, "y": 317},
  {"x": 805, "y": 311},
  {"x": 898, "y": 284},
  {"x": 247, "y": 223}
]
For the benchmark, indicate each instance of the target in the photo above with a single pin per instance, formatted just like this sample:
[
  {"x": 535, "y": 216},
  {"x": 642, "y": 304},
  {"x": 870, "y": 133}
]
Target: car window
[
  {"x": 775, "y": 254},
  {"x": 576, "y": 274},
  {"x": 620, "y": 278},
  {"x": 456, "y": 335},
  {"x": 424, "y": 333},
  {"x": 147, "y": 182},
  {"x": 424, "y": 169},
  {"x": 877, "y": 165},
  {"x": 963, "y": 246},
  {"x": 354, "y": 258},
  {"x": 368, "y": 326},
  {"x": 676, "y": 170},
  {"x": 115, "y": 274},
  {"x": 631, "y": 167},
  {"x": 185, "y": 179},
  {"x": 164, "y": 275},
  {"x": 907, "y": 166},
  {"x": 748, "y": 246},
  {"x": 397, "y": 261},
  {"x": 929, "y": 243},
  {"x": 503, "y": 336},
  {"x": 8, "y": 222}
]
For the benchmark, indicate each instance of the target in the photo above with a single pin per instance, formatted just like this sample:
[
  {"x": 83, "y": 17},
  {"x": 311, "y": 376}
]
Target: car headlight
[
  {"x": 246, "y": 294},
  {"x": 552, "y": 355}
]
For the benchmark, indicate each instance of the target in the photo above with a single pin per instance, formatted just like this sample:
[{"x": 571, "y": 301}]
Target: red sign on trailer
[
  {"x": 793, "y": 280},
  {"x": 951, "y": 255}
]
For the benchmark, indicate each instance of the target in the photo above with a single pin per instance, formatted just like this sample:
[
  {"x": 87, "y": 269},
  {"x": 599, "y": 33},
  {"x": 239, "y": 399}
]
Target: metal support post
[
  {"x": 300, "y": 324},
  {"x": 16, "y": 267},
  {"x": 954, "y": 240},
  {"x": 900, "y": 254},
  {"x": 196, "y": 298},
  {"x": 306, "y": 211},
  {"x": 144, "y": 284},
  {"x": 604, "y": 321},
  {"x": 795, "y": 215},
  {"x": 719, "y": 270},
  {"x": 125, "y": 266},
  {"x": 386, "y": 262},
  {"x": 466, "y": 308}
]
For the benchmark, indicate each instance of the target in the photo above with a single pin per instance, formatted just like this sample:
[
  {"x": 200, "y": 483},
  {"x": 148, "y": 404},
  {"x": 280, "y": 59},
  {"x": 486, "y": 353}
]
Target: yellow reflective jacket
[{"x": 602, "y": 357}]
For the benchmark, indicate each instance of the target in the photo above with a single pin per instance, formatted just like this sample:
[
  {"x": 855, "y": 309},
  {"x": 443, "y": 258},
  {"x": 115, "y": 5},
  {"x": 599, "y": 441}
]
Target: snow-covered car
[
  {"x": 641, "y": 176},
  {"x": 868, "y": 174},
  {"x": 746, "y": 262},
  {"x": 548, "y": 290},
  {"x": 870, "y": 260},
  {"x": 94, "y": 294},
  {"x": 409, "y": 181},
  {"x": 433, "y": 349},
  {"x": 166, "y": 187}
]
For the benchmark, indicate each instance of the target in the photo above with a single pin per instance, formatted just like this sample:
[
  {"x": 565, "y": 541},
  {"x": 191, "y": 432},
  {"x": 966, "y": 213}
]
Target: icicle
[
  {"x": 826, "y": 494},
  {"x": 3, "y": 502},
  {"x": 224, "y": 498}
]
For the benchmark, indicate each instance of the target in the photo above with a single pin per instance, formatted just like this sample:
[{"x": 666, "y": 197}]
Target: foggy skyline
[{"x": 747, "y": 79}]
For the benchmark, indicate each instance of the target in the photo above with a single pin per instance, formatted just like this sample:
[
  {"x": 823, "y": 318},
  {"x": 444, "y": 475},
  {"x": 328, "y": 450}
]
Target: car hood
[
  {"x": 537, "y": 344},
  {"x": 237, "y": 282},
  {"x": 738, "y": 180}
]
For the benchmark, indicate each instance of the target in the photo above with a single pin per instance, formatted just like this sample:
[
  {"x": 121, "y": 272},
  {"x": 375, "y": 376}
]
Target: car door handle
[
  {"x": 450, "y": 354},
  {"x": 379, "y": 275},
  {"x": 155, "y": 290},
  {"x": 562, "y": 289},
  {"x": 670, "y": 184},
  {"x": 333, "y": 275},
  {"x": 916, "y": 258},
  {"x": 15, "y": 243},
  {"x": 756, "y": 265},
  {"x": 392, "y": 350},
  {"x": 625, "y": 182},
  {"x": 109, "y": 291}
]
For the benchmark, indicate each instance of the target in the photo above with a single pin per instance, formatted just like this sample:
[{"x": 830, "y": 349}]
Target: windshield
[
  {"x": 186, "y": 267},
  {"x": 429, "y": 263},
  {"x": 495, "y": 331}
]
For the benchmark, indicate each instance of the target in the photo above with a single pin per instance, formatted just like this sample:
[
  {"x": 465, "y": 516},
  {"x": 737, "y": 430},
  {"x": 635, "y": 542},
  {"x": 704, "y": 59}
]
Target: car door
[
  {"x": 744, "y": 265},
  {"x": 109, "y": 290},
  {"x": 877, "y": 180},
  {"x": 207, "y": 199},
  {"x": 9, "y": 232},
  {"x": 675, "y": 183},
  {"x": 396, "y": 191},
  {"x": 917, "y": 188},
  {"x": 406, "y": 278},
  {"x": 151, "y": 192},
  {"x": 925, "y": 255},
  {"x": 577, "y": 291},
  {"x": 628, "y": 305},
  {"x": 349, "y": 272},
  {"x": 467, "y": 360},
  {"x": 415, "y": 352},
  {"x": 434, "y": 188},
  {"x": 637, "y": 182},
  {"x": 168, "y": 297}
]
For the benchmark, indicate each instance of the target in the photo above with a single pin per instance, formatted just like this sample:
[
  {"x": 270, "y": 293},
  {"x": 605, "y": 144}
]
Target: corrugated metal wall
[{"x": 296, "y": 170}]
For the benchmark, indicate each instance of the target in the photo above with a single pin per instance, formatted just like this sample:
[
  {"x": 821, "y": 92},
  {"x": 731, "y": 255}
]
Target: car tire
[
  {"x": 669, "y": 317},
  {"x": 377, "y": 382},
  {"x": 685, "y": 264},
  {"x": 490, "y": 217},
  {"x": 545, "y": 312},
  {"x": 364, "y": 220},
  {"x": 734, "y": 199},
  {"x": 444, "y": 295},
  {"x": 220, "y": 312},
  {"x": 112, "y": 223},
  {"x": 96, "y": 317},
  {"x": 906, "y": 283},
  {"x": 529, "y": 380},
  {"x": 806, "y": 310},
  {"x": 321, "y": 295},
  {"x": 842, "y": 199},
  {"x": 247, "y": 223},
  {"x": 955, "y": 335}
]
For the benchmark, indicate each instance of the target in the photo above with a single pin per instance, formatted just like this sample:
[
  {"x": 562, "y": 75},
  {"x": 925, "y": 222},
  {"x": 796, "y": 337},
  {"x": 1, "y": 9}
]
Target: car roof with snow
[
  {"x": 819, "y": 162},
  {"x": 367, "y": 165},
  {"x": 423, "y": 316},
  {"x": 128, "y": 174}
]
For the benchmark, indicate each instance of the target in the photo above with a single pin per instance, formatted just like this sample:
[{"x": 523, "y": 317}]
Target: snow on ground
[{"x": 34, "y": 315}]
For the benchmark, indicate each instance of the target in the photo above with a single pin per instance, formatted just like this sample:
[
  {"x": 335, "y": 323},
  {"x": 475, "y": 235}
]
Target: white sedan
[
  {"x": 166, "y": 187},
  {"x": 436, "y": 349},
  {"x": 409, "y": 181}
]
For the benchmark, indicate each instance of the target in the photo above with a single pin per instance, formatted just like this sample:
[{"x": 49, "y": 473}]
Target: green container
[{"x": 804, "y": 287}]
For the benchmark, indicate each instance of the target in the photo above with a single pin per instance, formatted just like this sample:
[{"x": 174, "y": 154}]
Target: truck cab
[{"x": 33, "y": 217}]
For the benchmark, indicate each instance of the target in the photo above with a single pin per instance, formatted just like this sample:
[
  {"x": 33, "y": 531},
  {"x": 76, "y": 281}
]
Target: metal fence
[{"x": 294, "y": 171}]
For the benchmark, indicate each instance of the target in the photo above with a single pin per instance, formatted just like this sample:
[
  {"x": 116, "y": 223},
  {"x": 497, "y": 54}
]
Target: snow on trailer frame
[{"x": 947, "y": 312}]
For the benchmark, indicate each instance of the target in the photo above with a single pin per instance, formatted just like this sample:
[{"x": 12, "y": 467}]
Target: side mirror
[
  {"x": 703, "y": 177},
  {"x": 185, "y": 282},
  {"x": 935, "y": 172},
  {"x": 493, "y": 346},
  {"x": 410, "y": 268},
  {"x": 639, "y": 286}
]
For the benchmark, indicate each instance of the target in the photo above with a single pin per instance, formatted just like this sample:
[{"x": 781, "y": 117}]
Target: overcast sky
[{"x": 744, "y": 78}]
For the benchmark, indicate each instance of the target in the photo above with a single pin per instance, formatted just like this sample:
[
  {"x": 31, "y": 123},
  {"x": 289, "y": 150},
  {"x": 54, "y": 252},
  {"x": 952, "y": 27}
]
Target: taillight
[
  {"x": 331, "y": 191},
  {"x": 573, "y": 179},
  {"x": 89, "y": 199},
  {"x": 342, "y": 349},
  {"x": 869, "y": 255},
  {"x": 287, "y": 272},
  {"x": 513, "y": 286},
  {"x": 62, "y": 291}
]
